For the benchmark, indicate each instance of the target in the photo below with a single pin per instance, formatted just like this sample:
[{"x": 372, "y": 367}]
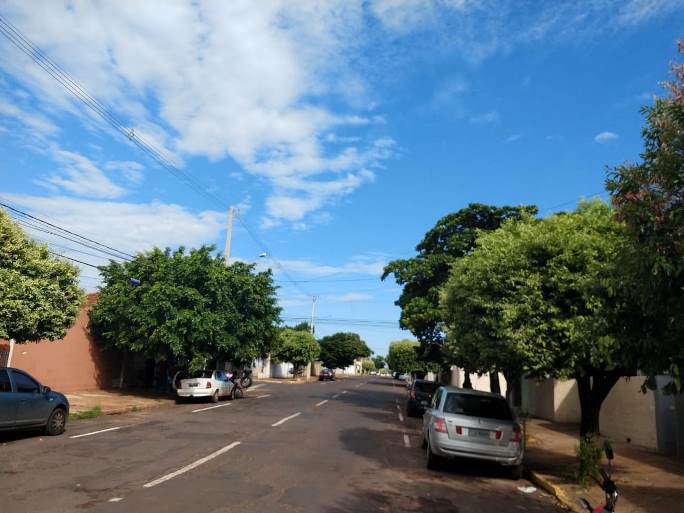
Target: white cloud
[
  {"x": 130, "y": 170},
  {"x": 604, "y": 137},
  {"x": 371, "y": 266},
  {"x": 513, "y": 138},
  {"x": 485, "y": 118},
  {"x": 37, "y": 124},
  {"x": 349, "y": 297},
  {"x": 645, "y": 97},
  {"x": 130, "y": 227}
]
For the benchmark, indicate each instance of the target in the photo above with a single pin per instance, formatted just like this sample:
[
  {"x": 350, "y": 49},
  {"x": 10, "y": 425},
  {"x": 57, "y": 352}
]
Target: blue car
[{"x": 25, "y": 403}]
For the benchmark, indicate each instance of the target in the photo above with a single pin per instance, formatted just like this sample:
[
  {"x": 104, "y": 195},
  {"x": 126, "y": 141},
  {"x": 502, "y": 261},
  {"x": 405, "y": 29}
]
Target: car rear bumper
[
  {"x": 496, "y": 454},
  {"x": 195, "y": 392}
]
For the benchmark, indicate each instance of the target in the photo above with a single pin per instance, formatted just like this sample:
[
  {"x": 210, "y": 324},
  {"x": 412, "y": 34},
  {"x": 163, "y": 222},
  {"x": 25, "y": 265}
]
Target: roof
[{"x": 470, "y": 391}]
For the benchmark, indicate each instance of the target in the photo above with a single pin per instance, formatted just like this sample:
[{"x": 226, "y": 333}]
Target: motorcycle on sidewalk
[{"x": 608, "y": 486}]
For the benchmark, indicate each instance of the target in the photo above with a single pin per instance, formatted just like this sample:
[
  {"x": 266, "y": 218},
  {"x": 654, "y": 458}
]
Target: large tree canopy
[
  {"x": 341, "y": 349},
  {"x": 540, "y": 296},
  {"x": 295, "y": 346},
  {"x": 403, "y": 356},
  {"x": 649, "y": 198},
  {"x": 189, "y": 308},
  {"x": 39, "y": 297},
  {"x": 423, "y": 276}
]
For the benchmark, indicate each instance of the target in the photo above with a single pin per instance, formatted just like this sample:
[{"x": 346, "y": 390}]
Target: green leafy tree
[
  {"x": 302, "y": 326},
  {"x": 379, "y": 362},
  {"x": 39, "y": 297},
  {"x": 423, "y": 276},
  {"x": 341, "y": 349},
  {"x": 541, "y": 296},
  {"x": 295, "y": 346},
  {"x": 368, "y": 366},
  {"x": 189, "y": 308},
  {"x": 649, "y": 198},
  {"x": 403, "y": 356}
]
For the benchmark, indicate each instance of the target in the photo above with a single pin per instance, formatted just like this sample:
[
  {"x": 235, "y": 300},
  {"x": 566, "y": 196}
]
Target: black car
[
  {"x": 25, "y": 403},
  {"x": 419, "y": 396},
  {"x": 326, "y": 374}
]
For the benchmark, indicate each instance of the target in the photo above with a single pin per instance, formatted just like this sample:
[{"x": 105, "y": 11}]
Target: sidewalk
[
  {"x": 647, "y": 481},
  {"x": 116, "y": 401}
]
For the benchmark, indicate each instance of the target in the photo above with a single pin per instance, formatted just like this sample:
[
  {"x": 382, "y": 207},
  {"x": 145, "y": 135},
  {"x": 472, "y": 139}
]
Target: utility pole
[
  {"x": 229, "y": 233},
  {"x": 313, "y": 313}
]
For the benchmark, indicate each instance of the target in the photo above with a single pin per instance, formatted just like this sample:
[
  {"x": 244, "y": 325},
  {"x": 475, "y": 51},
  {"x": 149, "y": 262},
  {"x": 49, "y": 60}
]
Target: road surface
[{"x": 342, "y": 446}]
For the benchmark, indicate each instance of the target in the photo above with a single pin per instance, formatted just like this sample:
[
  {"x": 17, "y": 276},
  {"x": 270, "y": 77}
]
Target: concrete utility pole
[
  {"x": 229, "y": 233},
  {"x": 313, "y": 313}
]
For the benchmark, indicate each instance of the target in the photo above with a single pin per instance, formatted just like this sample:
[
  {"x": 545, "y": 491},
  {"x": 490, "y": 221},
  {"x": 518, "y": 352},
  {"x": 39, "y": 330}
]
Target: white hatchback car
[{"x": 206, "y": 383}]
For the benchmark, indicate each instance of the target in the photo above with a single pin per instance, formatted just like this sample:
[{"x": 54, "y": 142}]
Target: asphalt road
[{"x": 335, "y": 447}]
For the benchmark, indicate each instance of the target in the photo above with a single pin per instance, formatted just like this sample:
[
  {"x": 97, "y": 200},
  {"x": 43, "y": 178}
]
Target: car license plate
[
  {"x": 193, "y": 384},
  {"x": 478, "y": 433}
]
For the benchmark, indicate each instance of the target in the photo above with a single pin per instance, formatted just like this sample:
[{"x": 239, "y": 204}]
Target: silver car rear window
[{"x": 478, "y": 406}]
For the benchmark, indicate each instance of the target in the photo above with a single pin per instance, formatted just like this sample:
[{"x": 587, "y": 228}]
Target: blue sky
[{"x": 342, "y": 130}]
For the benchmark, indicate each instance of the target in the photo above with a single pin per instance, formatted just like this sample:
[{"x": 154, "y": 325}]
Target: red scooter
[{"x": 608, "y": 486}]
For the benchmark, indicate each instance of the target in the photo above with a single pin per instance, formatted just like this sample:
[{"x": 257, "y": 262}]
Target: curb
[
  {"x": 126, "y": 409},
  {"x": 555, "y": 490}
]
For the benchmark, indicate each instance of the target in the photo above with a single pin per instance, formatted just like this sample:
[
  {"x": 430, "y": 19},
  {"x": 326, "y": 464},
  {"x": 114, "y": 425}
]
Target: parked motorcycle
[
  {"x": 246, "y": 378},
  {"x": 608, "y": 486}
]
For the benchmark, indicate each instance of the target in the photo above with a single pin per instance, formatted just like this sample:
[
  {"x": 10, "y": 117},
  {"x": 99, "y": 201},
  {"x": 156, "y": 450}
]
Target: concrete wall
[
  {"x": 478, "y": 382},
  {"x": 629, "y": 414},
  {"x": 73, "y": 363}
]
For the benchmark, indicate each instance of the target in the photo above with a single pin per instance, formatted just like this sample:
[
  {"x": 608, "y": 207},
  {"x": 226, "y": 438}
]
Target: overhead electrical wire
[
  {"x": 73, "y": 259},
  {"x": 14, "y": 35}
]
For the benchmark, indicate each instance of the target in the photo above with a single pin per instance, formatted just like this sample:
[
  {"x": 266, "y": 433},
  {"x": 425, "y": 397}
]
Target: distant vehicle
[
  {"x": 205, "y": 384},
  {"x": 25, "y": 403},
  {"x": 468, "y": 423},
  {"x": 419, "y": 395},
  {"x": 326, "y": 374},
  {"x": 404, "y": 377}
]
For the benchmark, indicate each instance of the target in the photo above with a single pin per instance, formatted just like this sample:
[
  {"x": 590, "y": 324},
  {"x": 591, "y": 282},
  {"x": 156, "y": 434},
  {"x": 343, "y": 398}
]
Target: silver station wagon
[{"x": 464, "y": 423}]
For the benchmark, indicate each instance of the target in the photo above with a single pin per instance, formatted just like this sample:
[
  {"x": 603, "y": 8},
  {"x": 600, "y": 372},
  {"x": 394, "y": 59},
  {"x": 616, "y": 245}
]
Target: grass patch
[{"x": 86, "y": 414}]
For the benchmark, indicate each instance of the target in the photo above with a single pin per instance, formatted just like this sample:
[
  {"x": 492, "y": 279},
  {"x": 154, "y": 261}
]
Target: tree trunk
[
  {"x": 466, "y": 379},
  {"x": 494, "y": 385},
  {"x": 593, "y": 389}
]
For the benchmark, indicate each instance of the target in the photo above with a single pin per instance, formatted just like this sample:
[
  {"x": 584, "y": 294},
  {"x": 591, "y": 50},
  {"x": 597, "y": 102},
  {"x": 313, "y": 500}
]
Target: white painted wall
[{"x": 478, "y": 382}]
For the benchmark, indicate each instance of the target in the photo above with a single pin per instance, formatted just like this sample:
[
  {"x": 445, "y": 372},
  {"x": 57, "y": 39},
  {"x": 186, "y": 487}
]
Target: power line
[
  {"x": 73, "y": 259},
  {"x": 330, "y": 281}
]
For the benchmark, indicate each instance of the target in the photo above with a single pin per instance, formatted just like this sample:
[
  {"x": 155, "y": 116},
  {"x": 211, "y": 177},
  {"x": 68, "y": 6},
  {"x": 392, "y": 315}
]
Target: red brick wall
[{"x": 73, "y": 363}]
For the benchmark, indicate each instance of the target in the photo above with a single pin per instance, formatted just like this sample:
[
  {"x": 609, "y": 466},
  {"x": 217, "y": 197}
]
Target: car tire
[
  {"x": 237, "y": 393},
  {"x": 515, "y": 472},
  {"x": 215, "y": 397},
  {"x": 433, "y": 462},
  {"x": 56, "y": 423}
]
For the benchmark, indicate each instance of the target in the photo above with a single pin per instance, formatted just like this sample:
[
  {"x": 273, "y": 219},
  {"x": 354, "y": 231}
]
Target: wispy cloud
[
  {"x": 349, "y": 297},
  {"x": 485, "y": 118},
  {"x": 605, "y": 137},
  {"x": 513, "y": 138}
]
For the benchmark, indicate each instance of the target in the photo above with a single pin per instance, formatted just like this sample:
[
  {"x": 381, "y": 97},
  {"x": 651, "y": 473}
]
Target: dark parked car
[
  {"x": 326, "y": 374},
  {"x": 419, "y": 396},
  {"x": 25, "y": 403}
]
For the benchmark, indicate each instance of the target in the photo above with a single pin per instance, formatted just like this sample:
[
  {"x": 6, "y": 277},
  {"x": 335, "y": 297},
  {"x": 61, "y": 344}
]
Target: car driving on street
[
  {"x": 25, "y": 403},
  {"x": 419, "y": 396},
  {"x": 326, "y": 374},
  {"x": 205, "y": 384},
  {"x": 472, "y": 424}
]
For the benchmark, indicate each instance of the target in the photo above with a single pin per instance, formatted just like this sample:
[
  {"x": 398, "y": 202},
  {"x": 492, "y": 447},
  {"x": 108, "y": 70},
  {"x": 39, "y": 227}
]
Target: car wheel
[
  {"x": 238, "y": 393},
  {"x": 56, "y": 423},
  {"x": 215, "y": 397},
  {"x": 433, "y": 461},
  {"x": 515, "y": 472}
]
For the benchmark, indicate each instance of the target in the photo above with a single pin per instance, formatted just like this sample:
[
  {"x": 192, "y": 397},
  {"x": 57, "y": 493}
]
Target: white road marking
[
  {"x": 254, "y": 387},
  {"x": 401, "y": 417},
  {"x": 96, "y": 432},
  {"x": 322, "y": 402},
  {"x": 344, "y": 391},
  {"x": 281, "y": 421},
  {"x": 335, "y": 396},
  {"x": 115, "y": 499},
  {"x": 262, "y": 396},
  {"x": 193, "y": 465},
  {"x": 407, "y": 442},
  {"x": 357, "y": 386},
  {"x": 398, "y": 407},
  {"x": 211, "y": 407}
]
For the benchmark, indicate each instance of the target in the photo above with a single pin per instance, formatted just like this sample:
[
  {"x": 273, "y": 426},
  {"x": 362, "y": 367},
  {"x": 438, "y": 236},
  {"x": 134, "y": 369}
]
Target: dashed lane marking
[
  {"x": 407, "y": 441},
  {"x": 322, "y": 402},
  {"x": 211, "y": 407},
  {"x": 282, "y": 421},
  {"x": 115, "y": 499},
  {"x": 192, "y": 465},
  {"x": 401, "y": 417},
  {"x": 263, "y": 396},
  {"x": 335, "y": 396},
  {"x": 96, "y": 432}
]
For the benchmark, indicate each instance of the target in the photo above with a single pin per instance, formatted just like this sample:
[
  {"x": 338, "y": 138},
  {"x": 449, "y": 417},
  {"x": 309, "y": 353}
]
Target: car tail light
[
  {"x": 208, "y": 384},
  {"x": 459, "y": 430},
  {"x": 517, "y": 435},
  {"x": 412, "y": 394},
  {"x": 440, "y": 425},
  {"x": 498, "y": 435}
]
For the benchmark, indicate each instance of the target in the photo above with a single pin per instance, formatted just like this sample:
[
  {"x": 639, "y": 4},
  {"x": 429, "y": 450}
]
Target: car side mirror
[{"x": 46, "y": 390}]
